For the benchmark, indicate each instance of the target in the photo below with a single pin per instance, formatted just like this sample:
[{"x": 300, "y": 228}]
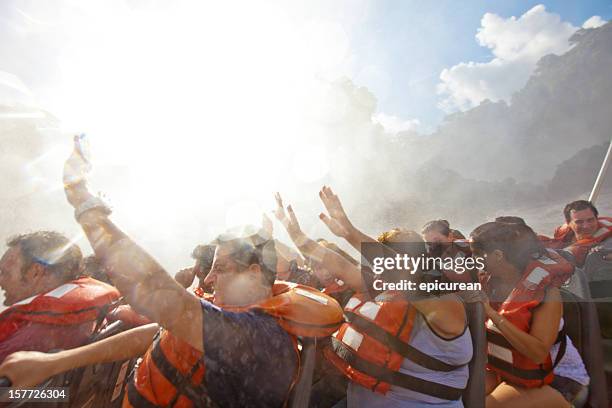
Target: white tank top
[
  {"x": 456, "y": 351},
  {"x": 571, "y": 365}
]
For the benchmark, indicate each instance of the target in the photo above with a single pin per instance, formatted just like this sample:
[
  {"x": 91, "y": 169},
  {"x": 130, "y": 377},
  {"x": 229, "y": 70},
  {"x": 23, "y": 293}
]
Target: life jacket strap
[
  {"x": 395, "y": 377},
  {"x": 527, "y": 374},
  {"x": 402, "y": 348},
  {"x": 197, "y": 394}
]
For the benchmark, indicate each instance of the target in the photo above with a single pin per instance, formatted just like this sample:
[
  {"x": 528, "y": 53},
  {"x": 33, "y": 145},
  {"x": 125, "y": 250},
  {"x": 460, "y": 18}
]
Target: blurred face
[
  {"x": 494, "y": 261},
  {"x": 435, "y": 237},
  {"x": 583, "y": 222},
  {"x": 435, "y": 242},
  {"x": 16, "y": 283},
  {"x": 322, "y": 274},
  {"x": 201, "y": 272},
  {"x": 233, "y": 284}
]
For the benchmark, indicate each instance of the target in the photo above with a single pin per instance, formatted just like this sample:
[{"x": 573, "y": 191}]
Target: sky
[
  {"x": 421, "y": 60},
  {"x": 403, "y": 47}
]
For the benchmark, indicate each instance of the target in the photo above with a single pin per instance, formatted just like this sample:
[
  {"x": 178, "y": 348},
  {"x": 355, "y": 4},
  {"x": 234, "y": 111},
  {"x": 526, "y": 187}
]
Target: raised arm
[
  {"x": 150, "y": 290},
  {"x": 336, "y": 264},
  {"x": 338, "y": 222},
  {"x": 30, "y": 368}
]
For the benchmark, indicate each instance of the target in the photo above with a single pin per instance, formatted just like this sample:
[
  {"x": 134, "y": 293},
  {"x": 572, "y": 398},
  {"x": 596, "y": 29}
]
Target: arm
[
  {"x": 29, "y": 368},
  {"x": 446, "y": 315},
  {"x": 338, "y": 222},
  {"x": 150, "y": 290},
  {"x": 335, "y": 263},
  {"x": 537, "y": 343}
]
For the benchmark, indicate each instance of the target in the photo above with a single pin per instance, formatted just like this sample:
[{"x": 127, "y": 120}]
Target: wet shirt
[{"x": 250, "y": 360}]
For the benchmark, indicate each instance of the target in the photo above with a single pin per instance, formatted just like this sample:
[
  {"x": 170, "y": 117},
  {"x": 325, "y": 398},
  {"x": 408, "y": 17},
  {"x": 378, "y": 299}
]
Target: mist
[{"x": 192, "y": 130}]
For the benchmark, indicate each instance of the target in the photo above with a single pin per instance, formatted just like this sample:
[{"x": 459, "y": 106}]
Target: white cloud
[
  {"x": 594, "y": 22},
  {"x": 394, "y": 125},
  {"x": 516, "y": 44}
]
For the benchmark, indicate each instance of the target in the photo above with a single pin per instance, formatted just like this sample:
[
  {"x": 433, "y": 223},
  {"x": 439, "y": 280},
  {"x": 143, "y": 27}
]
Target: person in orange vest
[
  {"x": 531, "y": 361},
  {"x": 50, "y": 307},
  {"x": 239, "y": 350},
  {"x": 395, "y": 349},
  {"x": 584, "y": 230}
]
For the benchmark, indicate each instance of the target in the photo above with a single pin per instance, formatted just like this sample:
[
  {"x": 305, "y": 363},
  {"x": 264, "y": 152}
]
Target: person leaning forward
[{"x": 239, "y": 350}]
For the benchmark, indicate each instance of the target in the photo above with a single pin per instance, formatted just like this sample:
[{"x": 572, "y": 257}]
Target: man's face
[
  {"x": 15, "y": 282},
  {"x": 230, "y": 281},
  {"x": 583, "y": 222}
]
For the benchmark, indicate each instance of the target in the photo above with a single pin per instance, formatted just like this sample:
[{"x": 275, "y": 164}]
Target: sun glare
[{"x": 197, "y": 103}]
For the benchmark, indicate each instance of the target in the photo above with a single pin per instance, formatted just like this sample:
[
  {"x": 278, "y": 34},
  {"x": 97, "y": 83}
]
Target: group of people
[{"x": 232, "y": 338}]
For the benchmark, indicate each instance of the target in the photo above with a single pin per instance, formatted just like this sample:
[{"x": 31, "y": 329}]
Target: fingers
[
  {"x": 292, "y": 216},
  {"x": 279, "y": 200},
  {"x": 326, "y": 220}
]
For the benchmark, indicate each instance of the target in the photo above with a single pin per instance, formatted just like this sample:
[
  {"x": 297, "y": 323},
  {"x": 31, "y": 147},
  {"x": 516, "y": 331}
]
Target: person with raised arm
[
  {"x": 395, "y": 349},
  {"x": 239, "y": 350}
]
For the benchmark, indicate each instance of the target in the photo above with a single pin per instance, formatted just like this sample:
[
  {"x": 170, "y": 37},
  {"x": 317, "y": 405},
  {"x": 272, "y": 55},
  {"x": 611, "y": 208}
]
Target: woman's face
[{"x": 494, "y": 261}]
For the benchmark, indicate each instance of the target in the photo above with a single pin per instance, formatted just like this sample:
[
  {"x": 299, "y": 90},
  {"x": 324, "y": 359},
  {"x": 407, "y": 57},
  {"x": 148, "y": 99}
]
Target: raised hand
[
  {"x": 288, "y": 218},
  {"x": 76, "y": 169},
  {"x": 337, "y": 220},
  {"x": 78, "y": 164}
]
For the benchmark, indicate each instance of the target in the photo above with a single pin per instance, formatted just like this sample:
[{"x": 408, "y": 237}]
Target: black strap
[
  {"x": 527, "y": 374},
  {"x": 136, "y": 400},
  {"x": 532, "y": 374},
  {"x": 404, "y": 349},
  {"x": 562, "y": 346},
  {"x": 197, "y": 394},
  {"x": 499, "y": 339},
  {"x": 395, "y": 377}
]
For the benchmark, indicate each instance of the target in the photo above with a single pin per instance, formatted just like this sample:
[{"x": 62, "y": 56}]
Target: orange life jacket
[
  {"x": 542, "y": 273},
  {"x": 371, "y": 346},
  {"x": 76, "y": 302},
  {"x": 172, "y": 372},
  {"x": 564, "y": 239}
]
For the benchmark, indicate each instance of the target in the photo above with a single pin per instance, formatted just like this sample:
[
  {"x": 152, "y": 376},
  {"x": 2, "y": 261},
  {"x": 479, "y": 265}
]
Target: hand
[
  {"x": 76, "y": 168},
  {"x": 606, "y": 253},
  {"x": 185, "y": 276},
  {"x": 290, "y": 222},
  {"x": 337, "y": 220},
  {"x": 474, "y": 296},
  {"x": 28, "y": 368}
]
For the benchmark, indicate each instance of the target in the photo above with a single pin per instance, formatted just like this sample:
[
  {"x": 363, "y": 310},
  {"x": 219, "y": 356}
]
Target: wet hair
[
  {"x": 456, "y": 234},
  {"x": 578, "y": 205},
  {"x": 511, "y": 219},
  {"x": 441, "y": 226},
  {"x": 50, "y": 249},
  {"x": 518, "y": 242},
  {"x": 399, "y": 234},
  {"x": 205, "y": 254},
  {"x": 91, "y": 266},
  {"x": 247, "y": 250},
  {"x": 338, "y": 250}
]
